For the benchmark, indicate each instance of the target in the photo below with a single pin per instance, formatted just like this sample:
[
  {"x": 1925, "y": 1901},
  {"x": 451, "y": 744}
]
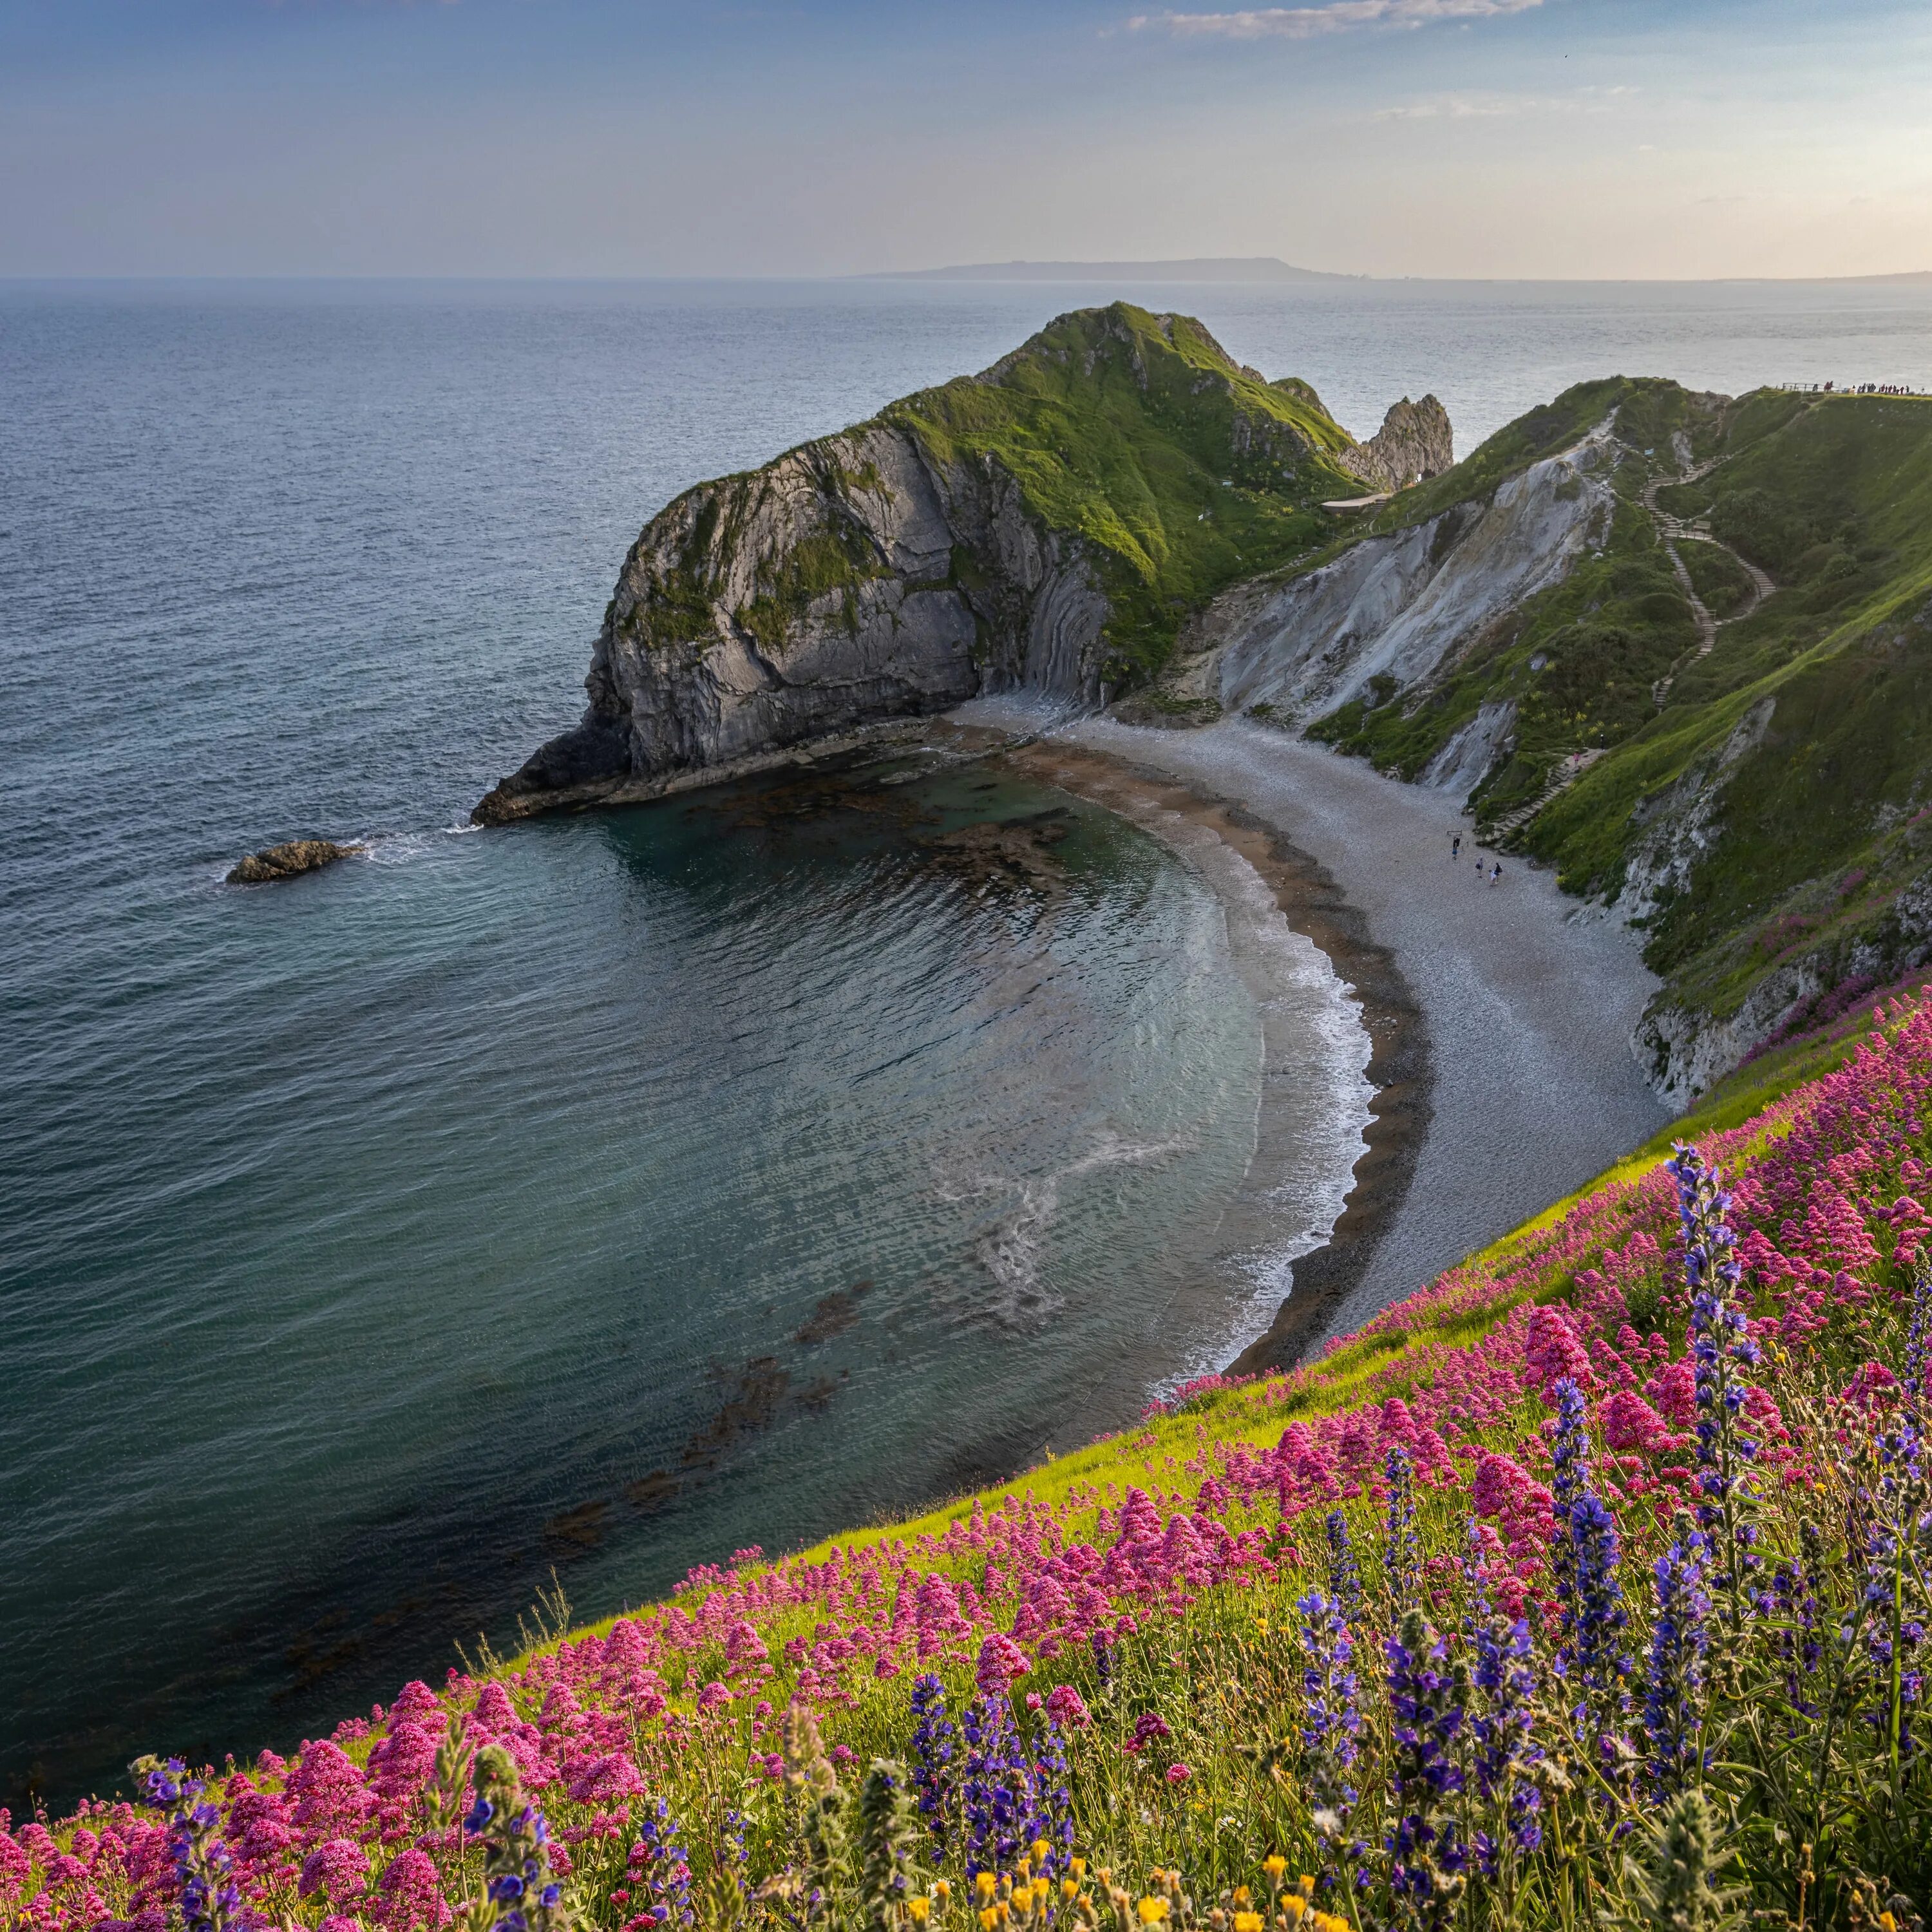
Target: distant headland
[{"x": 1199, "y": 268}]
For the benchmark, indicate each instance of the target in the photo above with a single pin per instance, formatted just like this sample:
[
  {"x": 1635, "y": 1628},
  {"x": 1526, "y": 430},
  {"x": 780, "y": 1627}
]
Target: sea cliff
[{"x": 1046, "y": 524}]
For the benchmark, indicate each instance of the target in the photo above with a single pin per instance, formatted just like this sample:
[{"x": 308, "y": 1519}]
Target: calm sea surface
[{"x": 601, "y": 1194}]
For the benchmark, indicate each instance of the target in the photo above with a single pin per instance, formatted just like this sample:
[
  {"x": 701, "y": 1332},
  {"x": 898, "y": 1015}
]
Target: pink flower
[
  {"x": 713, "y": 1695},
  {"x": 410, "y": 1893},
  {"x": 1001, "y": 1662},
  {"x": 1629, "y": 1423},
  {"x": 1873, "y": 1387},
  {"x": 1178, "y": 1774},
  {"x": 339, "y": 1870},
  {"x": 1065, "y": 1707}
]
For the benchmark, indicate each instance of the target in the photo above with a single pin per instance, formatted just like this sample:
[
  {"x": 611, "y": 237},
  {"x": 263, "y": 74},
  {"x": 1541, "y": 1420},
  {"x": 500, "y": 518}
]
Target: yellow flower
[
  {"x": 989, "y": 1919},
  {"x": 1296, "y": 1905},
  {"x": 1038, "y": 1849},
  {"x": 984, "y": 1883},
  {"x": 1261, "y": 1624},
  {"x": 942, "y": 1889},
  {"x": 1153, "y": 1911},
  {"x": 919, "y": 1910},
  {"x": 1307, "y": 1886},
  {"x": 1886, "y": 1923},
  {"x": 1275, "y": 1866},
  {"x": 1247, "y": 1921},
  {"x": 1069, "y": 1887},
  {"x": 1078, "y": 1866}
]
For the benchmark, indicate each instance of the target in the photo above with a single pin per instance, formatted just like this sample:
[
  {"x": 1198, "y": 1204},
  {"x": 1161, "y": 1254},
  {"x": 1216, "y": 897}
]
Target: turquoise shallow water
[{"x": 603, "y": 1193}]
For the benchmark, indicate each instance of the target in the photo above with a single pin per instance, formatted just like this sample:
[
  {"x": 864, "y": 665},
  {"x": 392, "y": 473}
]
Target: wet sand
[{"x": 1499, "y": 1016}]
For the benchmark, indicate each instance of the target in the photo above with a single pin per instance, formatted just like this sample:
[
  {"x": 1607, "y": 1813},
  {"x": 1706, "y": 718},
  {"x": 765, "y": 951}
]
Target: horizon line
[{"x": 964, "y": 273}]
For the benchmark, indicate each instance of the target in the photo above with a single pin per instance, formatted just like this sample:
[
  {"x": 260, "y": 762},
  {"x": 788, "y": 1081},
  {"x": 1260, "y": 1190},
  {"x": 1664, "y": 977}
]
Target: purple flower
[
  {"x": 1720, "y": 1349},
  {"x": 1674, "y": 1670},
  {"x": 1501, "y": 1726},
  {"x": 1402, "y": 1551},
  {"x": 666, "y": 1866},
  {"x": 997, "y": 1794},
  {"x": 933, "y": 1781},
  {"x": 1344, "y": 1573},
  {"x": 1426, "y": 1700},
  {"x": 1585, "y": 1556},
  {"x": 1331, "y": 1723}
]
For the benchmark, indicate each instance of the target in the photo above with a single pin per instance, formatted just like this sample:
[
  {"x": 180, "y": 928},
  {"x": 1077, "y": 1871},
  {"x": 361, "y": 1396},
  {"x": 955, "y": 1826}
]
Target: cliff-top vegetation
[
  {"x": 1588, "y": 1587},
  {"x": 1764, "y": 783},
  {"x": 1140, "y": 434}
]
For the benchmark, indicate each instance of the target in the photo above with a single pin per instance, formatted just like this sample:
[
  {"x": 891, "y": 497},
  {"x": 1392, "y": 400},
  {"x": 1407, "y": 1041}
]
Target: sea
[{"x": 558, "y": 1207}]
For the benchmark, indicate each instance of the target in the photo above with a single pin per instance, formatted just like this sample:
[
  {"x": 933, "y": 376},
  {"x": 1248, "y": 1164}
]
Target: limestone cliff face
[
  {"x": 850, "y": 581},
  {"x": 1401, "y": 607},
  {"x": 1043, "y": 524},
  {"x": 1414, "y": 444}
]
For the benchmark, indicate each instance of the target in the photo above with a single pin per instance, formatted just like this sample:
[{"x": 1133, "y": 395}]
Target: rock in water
[
  {"x": 288, "y": 862},
  {"x": 1046, "y": 524}
]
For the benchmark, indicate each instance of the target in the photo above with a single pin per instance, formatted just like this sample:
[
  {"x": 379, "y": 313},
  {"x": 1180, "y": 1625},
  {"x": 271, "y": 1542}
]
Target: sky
[{"x": 1480, "y": 138}]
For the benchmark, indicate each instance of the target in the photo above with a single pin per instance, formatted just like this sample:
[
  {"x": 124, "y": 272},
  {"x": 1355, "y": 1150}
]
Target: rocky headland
[
  {"x": 1668, "y": 645},
  {"x": 1044, "y": 525}
]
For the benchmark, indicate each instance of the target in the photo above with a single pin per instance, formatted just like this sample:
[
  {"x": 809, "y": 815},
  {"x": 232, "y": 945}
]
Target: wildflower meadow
[{"x": 1587, "y": 1587}]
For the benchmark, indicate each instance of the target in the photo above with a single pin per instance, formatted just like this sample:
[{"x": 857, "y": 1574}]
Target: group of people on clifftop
[{"x": 1855, "y": 389}]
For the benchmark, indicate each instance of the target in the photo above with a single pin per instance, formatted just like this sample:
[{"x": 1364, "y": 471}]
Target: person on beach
[
  {"x": 1455, "y": 847},
  {"x": 1498, "y": 873}
]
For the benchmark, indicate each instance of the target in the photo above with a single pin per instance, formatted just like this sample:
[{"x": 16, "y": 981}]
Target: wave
[{"x": 1012, "y": 1250}]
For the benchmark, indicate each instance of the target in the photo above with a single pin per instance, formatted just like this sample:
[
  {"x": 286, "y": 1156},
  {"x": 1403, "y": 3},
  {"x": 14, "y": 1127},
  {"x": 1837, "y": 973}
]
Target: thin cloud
[
  {"x": 1338, "y": 17},
  {"x": 1464, "y": 107}
]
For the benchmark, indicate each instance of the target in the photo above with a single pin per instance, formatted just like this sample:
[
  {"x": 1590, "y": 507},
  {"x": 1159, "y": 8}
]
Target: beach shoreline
[
  {"x": 1397, "y": 1071},
  {"x": 1499, "y": 1016}
]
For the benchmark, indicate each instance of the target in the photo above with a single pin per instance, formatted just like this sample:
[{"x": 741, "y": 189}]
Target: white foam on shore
[{"x": 1315, "y": 1094}]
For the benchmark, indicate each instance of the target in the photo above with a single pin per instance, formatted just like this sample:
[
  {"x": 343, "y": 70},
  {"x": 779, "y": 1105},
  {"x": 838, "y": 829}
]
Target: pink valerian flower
[
  {"x": 603, "y": 1780},
  {"x": 1150, "y": 1727},
  {"x": 713, "y": 1697},
  {"x": 1553, "y": 1351},
  {"x": 1002, "y": 1662},
  {"x": 416, "y": 1703},
  {"x": 331, "y": 1799},
  {"x": 1178, "y": 1774},
  {"x": 1872, "y": 1388},
  {"x": 410, "y": 1892},
  {"x": 744, "y": 1648},
  {"x": 338, "y": 1869},
  {"x": 1674, "y": 1390},
  {"x": 1067, "y": 1708},
  {"x": 1631, "y": 1426},
  {"x": 403, "y": 1762}
]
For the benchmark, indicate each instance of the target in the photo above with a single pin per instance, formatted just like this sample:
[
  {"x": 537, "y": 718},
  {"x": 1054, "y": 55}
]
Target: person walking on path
[
  {"x": 1455, "y": 847},
  {"x": 1498, "y": 873}
]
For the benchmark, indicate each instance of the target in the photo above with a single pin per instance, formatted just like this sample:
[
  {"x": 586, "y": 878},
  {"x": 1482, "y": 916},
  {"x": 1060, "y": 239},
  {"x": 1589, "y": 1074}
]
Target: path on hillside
[
  {"x": 1672, "y": 531},
  {"x": 1527, "y": 999}
]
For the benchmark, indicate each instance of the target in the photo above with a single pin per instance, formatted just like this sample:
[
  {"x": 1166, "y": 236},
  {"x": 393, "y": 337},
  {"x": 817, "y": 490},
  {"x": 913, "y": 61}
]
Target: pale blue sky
[{"x": 630, "y": 137}]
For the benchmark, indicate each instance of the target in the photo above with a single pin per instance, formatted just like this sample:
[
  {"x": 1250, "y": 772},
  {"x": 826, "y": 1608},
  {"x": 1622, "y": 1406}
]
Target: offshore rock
[{"x": 288, "y": 862}]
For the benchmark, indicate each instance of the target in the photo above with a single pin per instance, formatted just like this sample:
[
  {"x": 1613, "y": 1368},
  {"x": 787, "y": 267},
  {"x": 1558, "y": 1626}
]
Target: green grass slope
[
  {"x": 1771, "y": 800},
  {"x": 1140, "y": 434}
]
